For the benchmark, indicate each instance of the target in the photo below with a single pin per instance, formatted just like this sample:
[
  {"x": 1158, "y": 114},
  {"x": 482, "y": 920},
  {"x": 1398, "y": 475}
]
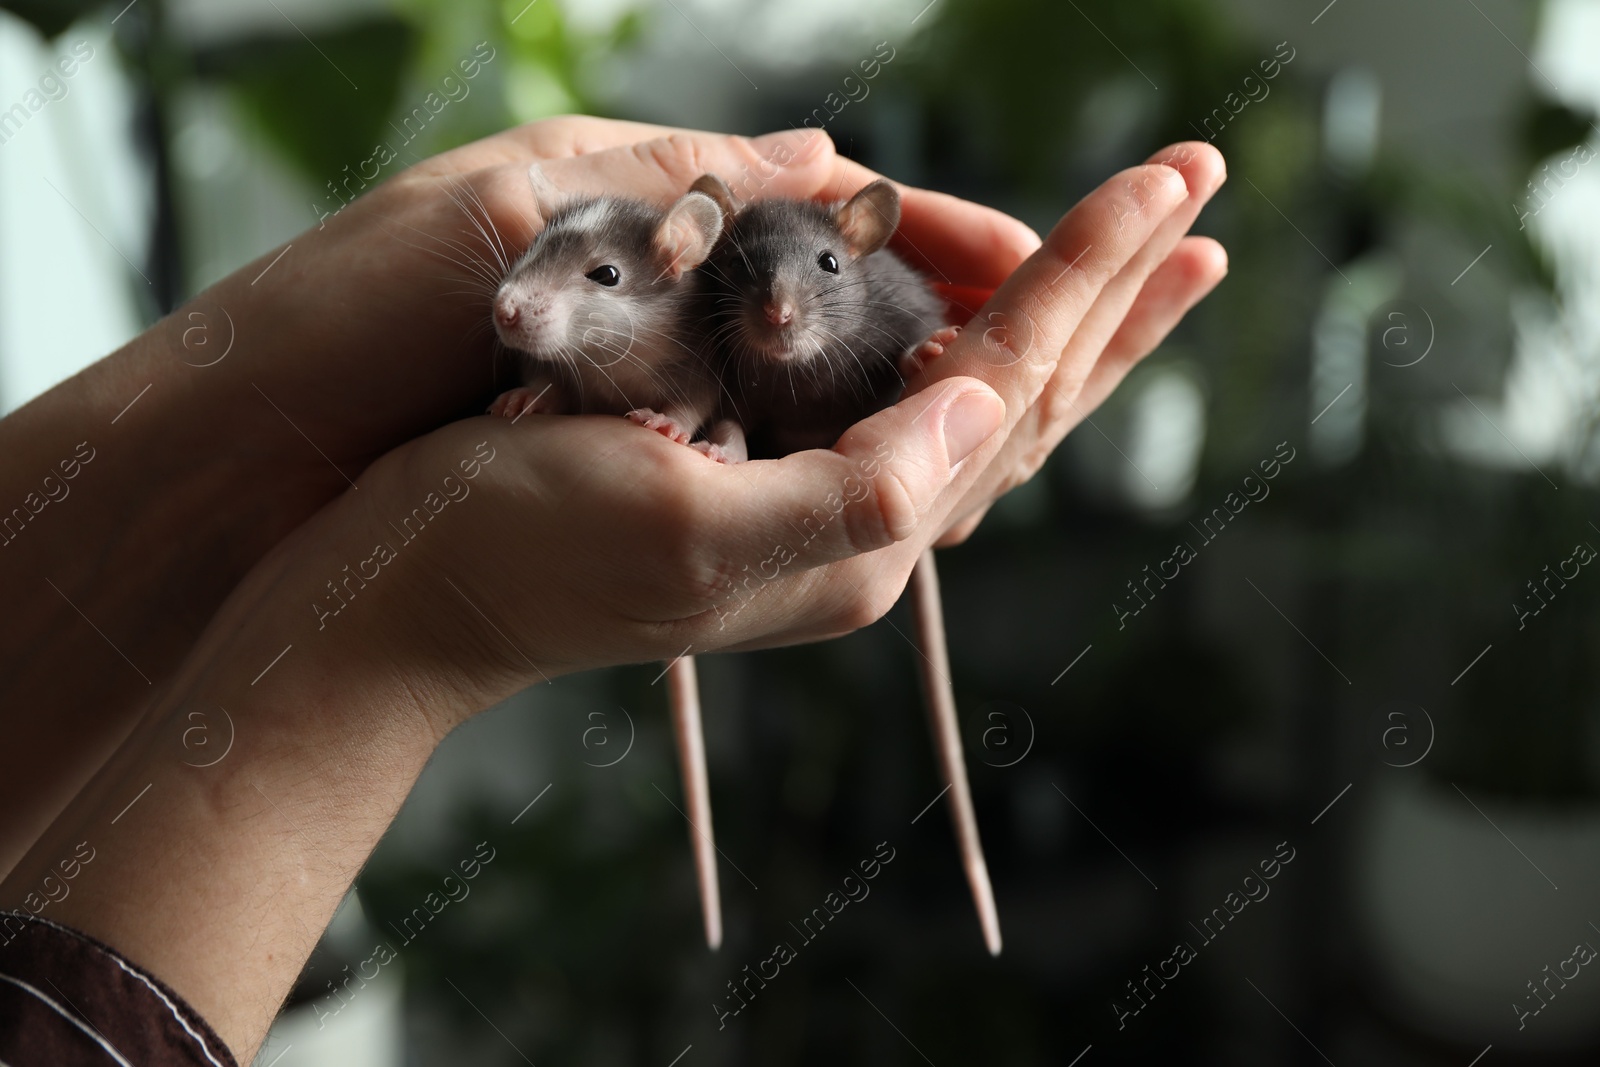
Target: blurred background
[{"x": 1371, "y": 673}]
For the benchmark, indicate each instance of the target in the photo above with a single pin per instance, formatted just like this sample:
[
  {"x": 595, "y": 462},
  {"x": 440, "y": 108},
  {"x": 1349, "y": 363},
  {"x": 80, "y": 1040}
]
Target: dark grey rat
[
  {"x": 814, "y": 318},
  {"x": 818, "y": 326},
  {"x": 602, "y": 310}
]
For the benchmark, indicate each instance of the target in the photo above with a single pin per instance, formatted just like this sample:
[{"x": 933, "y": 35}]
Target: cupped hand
[
  {"x": 589, "y": 541},
  {"x": 493, "y": 554},
  {"x": 1069, "y": 324},
  {"x": 373, "y": 326}
]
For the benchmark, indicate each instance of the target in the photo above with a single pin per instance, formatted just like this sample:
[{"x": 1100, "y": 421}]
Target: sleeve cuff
[{"x": 68, "y": 999}]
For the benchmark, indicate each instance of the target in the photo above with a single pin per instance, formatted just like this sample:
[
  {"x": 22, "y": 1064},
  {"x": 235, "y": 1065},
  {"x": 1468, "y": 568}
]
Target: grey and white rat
[
  {"x": 602, "y": 309},
  {"x": 819, "y": 325}
]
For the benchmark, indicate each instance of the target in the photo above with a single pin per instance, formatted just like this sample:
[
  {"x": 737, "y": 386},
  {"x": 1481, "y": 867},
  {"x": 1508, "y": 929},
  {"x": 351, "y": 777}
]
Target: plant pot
[{"x": 1462, "y": 907}]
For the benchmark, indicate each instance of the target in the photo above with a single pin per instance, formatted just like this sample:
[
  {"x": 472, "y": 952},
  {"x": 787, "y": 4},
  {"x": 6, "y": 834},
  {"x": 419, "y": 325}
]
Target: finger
[
  {"x": 790, "y": 163},
  {"x": 1189, "y": 274},
  {"x": 958, "y": 534},
  {"x": 553, "y": 138},
  {"x": 964, "y": 301},
  {"x": 958, "y": 242},
  {"x": 1056, "y": 407},
  {"x": 1064, "y": 405},
  {"x": 1203, "y": 172},
  {"x": 1021, "y": 334},
  {"x": 579, "y": 135},
  {"x": 881, "y": 484},
  {"x": 1193, "y": 269}
]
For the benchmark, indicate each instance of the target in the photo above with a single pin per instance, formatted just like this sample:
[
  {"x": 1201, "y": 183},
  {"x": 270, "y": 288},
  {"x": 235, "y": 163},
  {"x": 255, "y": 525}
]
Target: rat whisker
[
  {"x": 473, "y": 266},
  {"x": 494, "y": 230},
  {"x": 467, "y": 266},
  {"x": 459, "y": 191}
]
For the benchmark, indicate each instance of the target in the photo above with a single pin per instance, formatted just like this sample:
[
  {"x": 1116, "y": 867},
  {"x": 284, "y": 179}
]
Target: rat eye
[
  {"x": 828, "y": 263},
  {"x": 606, "y": 275}
]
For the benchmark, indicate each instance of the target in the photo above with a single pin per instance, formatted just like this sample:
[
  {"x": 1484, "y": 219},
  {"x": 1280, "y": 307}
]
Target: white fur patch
[{"x": 589, "y": 216}]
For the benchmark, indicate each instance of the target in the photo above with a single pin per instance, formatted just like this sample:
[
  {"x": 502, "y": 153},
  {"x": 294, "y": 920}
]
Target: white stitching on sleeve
[
  {"x": 176, "y": 1014},
  {"x": 59, "y": 1010}
]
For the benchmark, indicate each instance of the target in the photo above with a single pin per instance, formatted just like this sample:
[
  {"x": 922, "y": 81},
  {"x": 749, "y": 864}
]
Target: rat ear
[
  {"x": 868, "y": 219},
  {"x": 717, "y": 190},
  {"x": 685, "y": 236},
  {"x": 545, "y": 194}
]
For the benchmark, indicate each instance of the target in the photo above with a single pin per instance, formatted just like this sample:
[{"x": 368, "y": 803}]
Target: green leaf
[{"x": 324, "y": 101}]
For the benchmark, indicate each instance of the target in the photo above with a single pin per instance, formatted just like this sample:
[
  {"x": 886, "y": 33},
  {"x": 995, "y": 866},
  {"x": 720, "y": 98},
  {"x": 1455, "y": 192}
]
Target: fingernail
[
  {"x": 789, "y": 147},
  {"x": 1174, "y": 180},
  {"x": 1216, "y": 183},
  {"x": 970, "y": 421}
]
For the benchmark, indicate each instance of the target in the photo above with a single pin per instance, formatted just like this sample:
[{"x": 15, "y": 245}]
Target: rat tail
[
  {"x": 941, "y": 700},
  {"x": 683, "y": 692}
]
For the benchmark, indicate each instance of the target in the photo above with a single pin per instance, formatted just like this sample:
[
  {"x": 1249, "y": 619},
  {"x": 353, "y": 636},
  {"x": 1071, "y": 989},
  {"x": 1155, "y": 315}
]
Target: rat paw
[
  {"x": 715, "y": 452},
  {"x": 523, "y": 400},
  {"x": 661, "y": 424},
  {"x": 928, "y": 351}
]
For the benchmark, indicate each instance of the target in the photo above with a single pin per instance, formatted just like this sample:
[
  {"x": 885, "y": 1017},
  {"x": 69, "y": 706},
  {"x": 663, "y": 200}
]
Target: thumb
[{"x": 884, "y": 480}]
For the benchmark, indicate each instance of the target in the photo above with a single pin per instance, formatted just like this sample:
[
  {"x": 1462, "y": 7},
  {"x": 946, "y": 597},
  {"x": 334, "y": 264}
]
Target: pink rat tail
[{"x": 934, "y": 670}]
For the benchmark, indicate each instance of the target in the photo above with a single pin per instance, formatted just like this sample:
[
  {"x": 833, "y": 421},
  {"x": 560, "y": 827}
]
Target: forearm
[
  {"x": 229, "y": 826},
  {"x": 121, "y": 530}
]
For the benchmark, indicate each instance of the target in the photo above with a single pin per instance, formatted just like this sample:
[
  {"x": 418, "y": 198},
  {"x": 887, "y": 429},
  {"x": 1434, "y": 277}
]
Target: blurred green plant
[
  {"x": 51, "y": 17},
  {"x": 1048, "y": 107},
  {"x": 1023, "y": 103},
  {"x": 323, "y": 95},
  {"x": 319, "y": 113}
]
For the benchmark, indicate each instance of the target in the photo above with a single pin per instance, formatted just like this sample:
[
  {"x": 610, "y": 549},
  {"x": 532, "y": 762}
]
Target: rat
[
  {"x": 820, "y": 325},
  {"x": 601, "y": 310},
  {"x": 816, "y": 321}
]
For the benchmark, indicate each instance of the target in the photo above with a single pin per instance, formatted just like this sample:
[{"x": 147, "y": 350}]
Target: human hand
[
  {"x": 1063, "y": 331},
  {"x": 373, "y": 327},
  {"x": 583, "y": 541},
  {"x": 593, "y": 544}
]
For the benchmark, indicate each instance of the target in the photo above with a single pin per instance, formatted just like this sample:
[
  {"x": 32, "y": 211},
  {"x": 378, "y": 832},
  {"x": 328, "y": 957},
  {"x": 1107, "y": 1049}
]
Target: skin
[{"x": 207, "y": 524}]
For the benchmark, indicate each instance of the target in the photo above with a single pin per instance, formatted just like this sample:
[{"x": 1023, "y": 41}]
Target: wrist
[{"x": 230, "y": 824}]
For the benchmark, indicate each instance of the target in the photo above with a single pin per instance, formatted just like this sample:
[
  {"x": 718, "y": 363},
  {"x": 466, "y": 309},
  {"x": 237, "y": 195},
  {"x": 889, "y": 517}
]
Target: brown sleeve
[{"x": 66, "y": 999}]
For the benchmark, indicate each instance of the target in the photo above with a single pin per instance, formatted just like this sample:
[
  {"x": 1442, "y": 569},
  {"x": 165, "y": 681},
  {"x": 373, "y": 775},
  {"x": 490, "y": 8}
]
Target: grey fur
[
  {"x": 612, "y": 349},
  {"x": 839, "y": 361}
]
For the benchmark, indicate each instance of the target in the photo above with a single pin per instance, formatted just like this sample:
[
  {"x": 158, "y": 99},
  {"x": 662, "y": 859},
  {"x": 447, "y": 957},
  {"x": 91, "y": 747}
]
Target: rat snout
[
  {"x": 505, "y": 311},
  {"x": 780, "y": 304},
  {"x": 778, "y": 312},
  {"x": 524, "y": 318},
  {"x": 774, "y": 315},
  {"x": 513, "y": 309}
]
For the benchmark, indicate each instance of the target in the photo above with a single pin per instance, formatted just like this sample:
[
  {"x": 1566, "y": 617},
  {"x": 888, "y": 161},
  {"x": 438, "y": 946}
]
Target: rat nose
[
  {"x": 505, "y": 312},
  {"x": 778, "y": 313}
]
